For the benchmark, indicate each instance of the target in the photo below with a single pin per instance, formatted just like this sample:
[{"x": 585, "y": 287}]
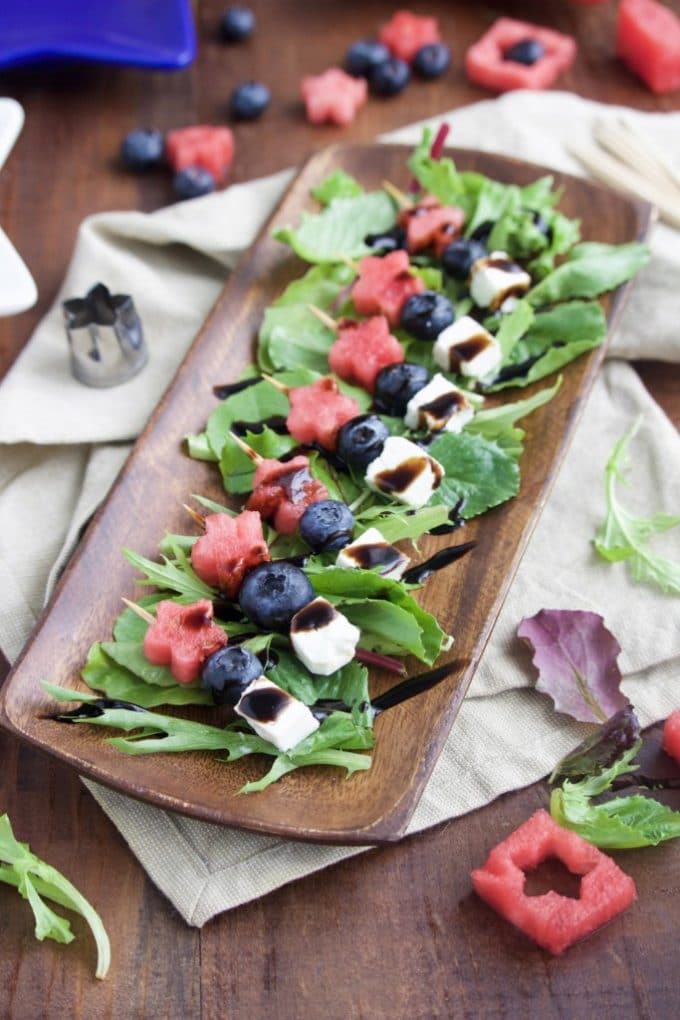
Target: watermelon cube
[
  {"x": 384, "y": 285},
  {"x": 671, "y": 735},
  {"x": 182, "y": 638},
  {"x": 405, "y": 33},
  {"x": 318, "y": 411},
  {"x": 552, "y": 920},
  {"x": 204, "y": 145},
  {"x": 230, "y": 548},
  {"x": 429, "y": 224},
  {"x": 486, "y": 65},
  {"x": 283, "y": 491},
  {"x": 333, "y": 97},
  {"x": 363, "y": 349},
  {"x": 648, "y": 41}
]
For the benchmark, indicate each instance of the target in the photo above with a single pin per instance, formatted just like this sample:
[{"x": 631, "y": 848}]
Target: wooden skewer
[
  {"x": 143, "y": 614},
  {"x": 199, "y": 518},
  {"x": 354, "y": 266},
  {"x": 619, "y": 176},
  {"x": 323, "y": 317},
  {"x": 281, "y": 387},
  {"x": 653, "y": 149},
  {"x": 248, "y": 450},
  {"x": 402, "y": 200},
  {"x": 636, "y": 154}
]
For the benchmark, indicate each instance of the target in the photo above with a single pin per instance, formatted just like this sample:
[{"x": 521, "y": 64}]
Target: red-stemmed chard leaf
[{"x": 575, "y": 656}]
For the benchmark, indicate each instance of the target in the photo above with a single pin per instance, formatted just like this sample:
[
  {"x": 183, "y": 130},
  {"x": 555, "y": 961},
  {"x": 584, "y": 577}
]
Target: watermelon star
[
  {"x": 182, "y": 638},
  {"x": 384, "y": 285},
  {"x": 406, "y": 33},
  {"x": 333, "y": 97},
  {"x": 204, "y": 145},
  {"x": 230, "y": 548}
]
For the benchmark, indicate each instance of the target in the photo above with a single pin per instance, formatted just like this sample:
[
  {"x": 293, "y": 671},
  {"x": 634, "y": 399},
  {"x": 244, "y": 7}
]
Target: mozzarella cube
[
  {"x": 404, "y": 472},
  {"x": 495, "y": 278},
  {"x": 322, "y": 638},
  {"x": 467, "y": 348},
  {"x": 275, "y": 715},
  {"x": 439, "y": 406},
  {"x": 370, "y": 551}
]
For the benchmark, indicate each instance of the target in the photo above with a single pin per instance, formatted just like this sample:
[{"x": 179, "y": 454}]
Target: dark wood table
[{"x": 397, "y": 932}]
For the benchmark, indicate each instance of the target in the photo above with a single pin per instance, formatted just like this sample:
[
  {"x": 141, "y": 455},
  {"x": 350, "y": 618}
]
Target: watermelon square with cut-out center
[{"x": 486, "y": 64}]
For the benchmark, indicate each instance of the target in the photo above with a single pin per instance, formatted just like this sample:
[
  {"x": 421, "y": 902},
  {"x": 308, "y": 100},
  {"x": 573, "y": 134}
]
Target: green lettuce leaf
[
  {"x": 622, "y": 823},
  {"x": 396, "y": 523},
  {"x": 103, "y": 673},
  {"x": 513, "y": 326},
  {"x": 625, "y": 536},
  {"x": 591, "y": 269},
  {"x": 495, "y": 421},
  {"x": 482, "y": 472},
  {"x": 36, "y": 879},
  {"x": 199, "y": 447},
  {"x": 237, "y": 468},
  {"x": 338, "y": 232},
  {"x": 339, "y": 184}
]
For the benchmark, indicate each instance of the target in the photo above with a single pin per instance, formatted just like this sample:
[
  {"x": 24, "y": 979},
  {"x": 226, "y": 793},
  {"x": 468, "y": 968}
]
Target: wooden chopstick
[
  {"x": 654, "y": 149},
  {"x": 634, "y": 151},
  {"x": 616, "y": 174}
]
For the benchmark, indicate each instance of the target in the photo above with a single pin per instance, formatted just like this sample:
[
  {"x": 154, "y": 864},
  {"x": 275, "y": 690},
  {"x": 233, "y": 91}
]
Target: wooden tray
[{"x": 310, "y": 804}]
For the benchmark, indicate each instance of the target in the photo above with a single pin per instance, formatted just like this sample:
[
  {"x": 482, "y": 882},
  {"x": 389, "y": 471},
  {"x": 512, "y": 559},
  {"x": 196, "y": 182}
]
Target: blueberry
[
  {"x": 526, "y": 51},
  {"x": 142, "y": 149},
  {"x": 425, "y": 315},
  {"x": 236, "y": 24},
  {"x": 364, "y": 55},
  {"x": 396, "y": 384},
  {"x": 361, "y": 439},
  {"x": 432, "y": 60},
  {"x": 541, "y": 224},
  {"x": 390, "y": 77},
  {"x": 250, "y": 100},
  {"x": 327, "y": 525},
  {"x": 387, "y": 241},
  {"x": 272, "y": 594},
  {"x": 458, "y": 257},
  {"x": 228, "y": 671},
  {"x": 193, "y": 181}
]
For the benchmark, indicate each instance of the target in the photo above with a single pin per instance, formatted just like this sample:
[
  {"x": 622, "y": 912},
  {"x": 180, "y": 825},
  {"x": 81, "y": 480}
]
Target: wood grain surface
[
  {"x": 396, "y": 932},
  {"x": 148, "y": 498}
]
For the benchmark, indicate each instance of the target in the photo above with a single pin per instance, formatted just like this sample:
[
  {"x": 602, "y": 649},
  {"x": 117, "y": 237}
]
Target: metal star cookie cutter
[{"x": 105, "y": 337}]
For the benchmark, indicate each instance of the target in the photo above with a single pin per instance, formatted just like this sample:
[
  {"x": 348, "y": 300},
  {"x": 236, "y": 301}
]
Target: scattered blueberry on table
[
  {"x": 142, "y": 149},
  {"x": 192, "y": 182},
  {"x": 237, "y": 24},
  {"x": 389, "y": 78},
  {"x": 432, "y": 60},
  {"x": 249, "y": 101},
  {"x": 365, "y": 55}
]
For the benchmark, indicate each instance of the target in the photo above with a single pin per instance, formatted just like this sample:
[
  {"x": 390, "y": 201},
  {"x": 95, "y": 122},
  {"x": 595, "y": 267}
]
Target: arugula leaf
[
  {"x": 554, "y": 339},
  {"x": 349, "y": 684},
  {"x": 169, "y": 575},
  {"x": 482, "y": 472},
  {"x": 339, "y": 231},
  {"x": 34, "y": 878},
  {"x": 494, "y": 421},
  {"x": 622, "y": 823},
  {"x": 390, "y": 619},
  {"x": 590, "y": 270},
  {"x": 396, "y": 523},
  {"x": 199, "y": 448},
  {"x": 439, "y": 177},
  {"x": 514, "y": 326},
  {"x": 104, "y": 673},
  {"x": 624, "y": 536},
  {"x": 563, "y": 234},
  {"x": 339, "y": 184}
]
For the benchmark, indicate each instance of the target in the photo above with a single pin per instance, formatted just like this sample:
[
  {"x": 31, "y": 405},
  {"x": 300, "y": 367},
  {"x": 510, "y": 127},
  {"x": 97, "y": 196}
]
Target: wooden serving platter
[{"x": 309, "y": 804}]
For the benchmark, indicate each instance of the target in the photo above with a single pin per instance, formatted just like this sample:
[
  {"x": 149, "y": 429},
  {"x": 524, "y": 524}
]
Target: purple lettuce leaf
[
  {"x": 575, "y": 656},
  {"x": 601, "y": 749}
]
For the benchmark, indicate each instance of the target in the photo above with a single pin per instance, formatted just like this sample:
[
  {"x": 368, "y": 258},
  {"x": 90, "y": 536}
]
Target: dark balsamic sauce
[
  {"x": 226, "y": 609},
  {"x": 437, "y": 412},
  {"x": 441, "y": 559},
  {"x": 264, "y": 704},
  {"x": 314, "y": 616},
  {"x": 94, "y": 709},
  {"x": 277, "y": 423},
  {"x": 399, "y": 478},
  {"x": 224, "y": 390},
  {"x": 376, "y": 554},
  {"x": 467, "y": 350},
  {"x": 196, "y": 618},
  {"x": 506, "y": 265}
]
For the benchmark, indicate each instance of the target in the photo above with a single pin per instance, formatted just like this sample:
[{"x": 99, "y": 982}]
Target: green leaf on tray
[
  {"x": 35, "y": 879},
  {"x": 625, "y": 536},
  {"x": 494, "y": 421},
  {"x": 513, "y": 326},
  {"x": 104, "y": 673},
  {"x": 199, "y": 448},
  {"x": 482, "y": 472},
  {"x": 170, "y": 576},
  {"x": 339, "y": 184},
  {"x": 338, "y": 231},
  {"x": 590, "y": 270},
  {"x": 622, "y": 823},
  {"x": 238, "y": 469},
  {"x": 395, "y": 523}
]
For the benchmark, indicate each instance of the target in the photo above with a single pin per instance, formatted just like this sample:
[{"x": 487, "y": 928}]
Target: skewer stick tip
[
  {"x": 248, "y": 450},
  {"x": 281, "y": 387},
  {"x": 142, "y": 613},
  {"x": 324, "y": 318},
  {"x": 402, "y": 199},
  {"x": 199, "y": 518}
]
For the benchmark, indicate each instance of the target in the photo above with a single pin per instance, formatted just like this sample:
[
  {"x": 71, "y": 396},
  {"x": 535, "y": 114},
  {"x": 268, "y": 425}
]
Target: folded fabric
[{"x": 506, "y": 735}]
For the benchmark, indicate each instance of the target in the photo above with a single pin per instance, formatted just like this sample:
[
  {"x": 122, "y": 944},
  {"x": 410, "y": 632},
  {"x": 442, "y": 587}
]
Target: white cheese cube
[
  {"x": 322, "y": 638},
  {"x": 275, "y": 715},
  {"x": 439, "y": 406},
  {"x": 370, "y": 551},
  {"x": 495, "y": 278},
  {"x": 467, "y": 348},
  {"x": 404, "y": 472}
]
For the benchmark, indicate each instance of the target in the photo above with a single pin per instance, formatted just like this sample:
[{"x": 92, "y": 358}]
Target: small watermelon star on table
[
  {"x": 333, "y": 97},
  {"x": 406, "y": 33}
]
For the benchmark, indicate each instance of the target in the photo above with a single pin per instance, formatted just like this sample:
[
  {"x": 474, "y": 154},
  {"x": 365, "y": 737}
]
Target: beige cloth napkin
[{"x": 64, "y": 444}]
